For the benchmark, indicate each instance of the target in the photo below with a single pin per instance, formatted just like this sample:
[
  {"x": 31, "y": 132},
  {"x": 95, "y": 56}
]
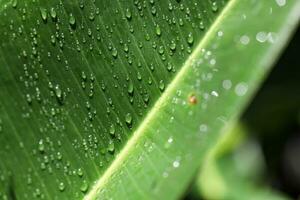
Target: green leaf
[{"x": 122, "y": 99}]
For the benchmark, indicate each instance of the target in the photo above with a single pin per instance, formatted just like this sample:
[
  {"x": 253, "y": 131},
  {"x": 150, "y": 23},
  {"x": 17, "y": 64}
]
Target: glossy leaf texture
[{"x": 121, "y": 99}]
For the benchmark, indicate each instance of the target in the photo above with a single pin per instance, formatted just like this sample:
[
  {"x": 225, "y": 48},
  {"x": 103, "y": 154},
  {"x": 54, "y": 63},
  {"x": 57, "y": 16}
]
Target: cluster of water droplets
[{"x": 88, "y": 76}]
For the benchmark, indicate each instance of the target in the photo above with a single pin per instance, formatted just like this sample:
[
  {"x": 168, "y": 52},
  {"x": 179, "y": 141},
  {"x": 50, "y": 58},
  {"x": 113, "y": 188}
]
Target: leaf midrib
[{"x": 131, "y": 143}]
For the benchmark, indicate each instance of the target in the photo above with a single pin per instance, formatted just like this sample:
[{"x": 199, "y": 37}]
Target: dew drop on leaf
[
  {"x": 61, "y": 186},
  {"x": 84, "y": 186},
  {"x": 72, "y": 20},
  {"x": 128, "y": 119},
  {"x": 128, "y": 14},
  {"x": 28, "y": 99},
  {"x": 80, "y": 172},
  {"x": 59, "y": 156},
  {"x": 158, "y": 30},
  {"x": 114, "y": 53},
  {"x": 176, "y": 164},
  {"x": 190, "y": 39},
  {"x": 43, "y": 14},
  {"x": 139, "y": 76},
  {"x": 41, "y": 146},
  {"x": 130, "y": 88},
  {"x": 58, "y": 92},
  {"x": 168, "y": 143},
  {"x": 111, "y": 146},
  {"x": 53, "y": 13},
  {"x": 281, "y": 2},
  {"x": 14, "y": 3},
  {"x": 241, "y": 89},
  {"x": 214, "y": 7},
  {"x": 161, "y": 85},
  {"x": 126, "y": 49},
  {"x": 112, "y": 130},
  {"x": 83, "y": 76},
  {"x": 201, "y": 25},
  {"x": 173, "y": 46}
]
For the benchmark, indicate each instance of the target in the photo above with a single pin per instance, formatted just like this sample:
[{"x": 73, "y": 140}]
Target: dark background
[{"x": 274, "y": 115}]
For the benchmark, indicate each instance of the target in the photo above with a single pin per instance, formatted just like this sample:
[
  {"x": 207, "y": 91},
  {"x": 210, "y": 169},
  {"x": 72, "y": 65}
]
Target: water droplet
[
  {"x": 61, "y": 186},
  {"x": 161, "y": 50},
  {"x": 173, "y": 46},
  {"x": 111, "y": 146},
  {"x": 80, "y": 172},
  {"x": 130, "y": 88},
  {"x": 169, "y": 142},
  {"x": 53, "y": 41},
  {"x": 165, "y": 174},
  {"x": 241, "y": 89},
  {"x": 81, "y": 4},
  {"x": 161, "y": 85},
  {"x": 37, "y": 192},
  {"x": 147, "y": 37},
  {"x": 92, "y": 16},
  {"x": 215, "y": 93},
  {"x": 158, "y": 30},
  {"x": 146, "y": 98},
  {"x": 28, "y": 99},
  {"x": 72, "y": 20},
  {"x": 112, "y": 130},
  {"x": 281, "y": 2},
  {"x": 14, "y": 3},
  {"x": 201, "y": 25},
  {"x": 41, "y": 146},
  {"x": 128, "y": 119},
  {"x": 53, "y": 13},
  {"x": 214, "y": 7},
  {"x": 59, "y": 156},
  {"x": 153, "y": 11},
  {"x": 58, "y": 91},
  {"x": 261, "y": 36},
  {"x": 126, "y": 49},
  {"x": 128, "y": 14},
  {"x": 203, "y": 128},
  {"x": 43, "y": 14},
  {"x": 220, "y": 33},
  {"x": 226, "y": 84},
  {"x": 169, "y": 66},
  {"x": 245, "y": 40},
  {"x": 139, "y": 76},
  {"x": 114, "y": 53},
  {"x": 190, "y": 39},
  {"x": 176, "y": 164},
  {"x": 84, "y": 186}
]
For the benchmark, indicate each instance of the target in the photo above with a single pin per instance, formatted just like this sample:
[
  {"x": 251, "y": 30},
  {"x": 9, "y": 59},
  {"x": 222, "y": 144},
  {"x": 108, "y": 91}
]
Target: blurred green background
[{"x": 274, "y": 120}]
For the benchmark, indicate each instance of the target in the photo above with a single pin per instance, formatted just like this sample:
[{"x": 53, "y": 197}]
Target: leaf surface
[{"x": 122, "y": 99}]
